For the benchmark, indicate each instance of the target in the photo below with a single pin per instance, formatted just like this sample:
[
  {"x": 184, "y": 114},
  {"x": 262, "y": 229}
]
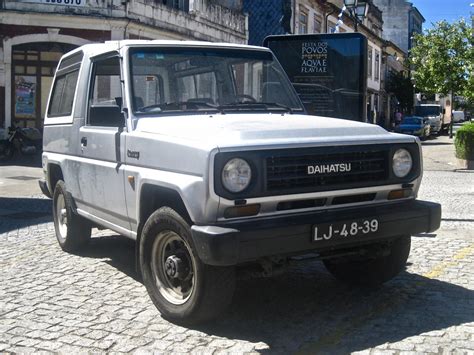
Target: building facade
[
  {"x": 394, "y": 61},
  {"x": 34, "y": 34},
  {"x": 401, "y": 21}
]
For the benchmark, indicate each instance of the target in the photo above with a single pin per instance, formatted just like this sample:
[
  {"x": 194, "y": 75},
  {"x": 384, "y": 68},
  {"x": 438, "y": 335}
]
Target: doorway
[{"x": 33, "y": 67}]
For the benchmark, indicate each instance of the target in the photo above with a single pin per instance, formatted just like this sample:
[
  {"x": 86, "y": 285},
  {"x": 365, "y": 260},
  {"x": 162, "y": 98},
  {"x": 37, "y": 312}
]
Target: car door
[{"x": 101, "y": 142}]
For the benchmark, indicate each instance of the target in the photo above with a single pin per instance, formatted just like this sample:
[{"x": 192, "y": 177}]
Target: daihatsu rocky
[{"x": 203, "y": 154}]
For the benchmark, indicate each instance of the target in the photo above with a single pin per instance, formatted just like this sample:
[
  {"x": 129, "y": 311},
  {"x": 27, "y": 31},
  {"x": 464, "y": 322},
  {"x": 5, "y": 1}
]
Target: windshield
[
  {"x": 173, "y": 81},
  {"x": 427, "y": 110},
  {"x": 412, "y": 120}
]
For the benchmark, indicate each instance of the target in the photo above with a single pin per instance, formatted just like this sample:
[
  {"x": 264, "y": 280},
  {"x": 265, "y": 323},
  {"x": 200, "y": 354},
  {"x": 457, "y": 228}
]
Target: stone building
[
  {"x": 394, "y": 60},
  {"x": 35, "y": 33},
  {"x": 401, "y": 21}
]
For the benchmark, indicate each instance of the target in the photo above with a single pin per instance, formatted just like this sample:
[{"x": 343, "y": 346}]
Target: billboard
[{"x": 328, "y": 71}]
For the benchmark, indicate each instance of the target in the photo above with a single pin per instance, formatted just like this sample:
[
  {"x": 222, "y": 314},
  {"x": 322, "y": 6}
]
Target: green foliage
[
  {"x": 402, "y": 88},
  {"x": 443, "y": 60},
  {"x": 464, "y": 142}
]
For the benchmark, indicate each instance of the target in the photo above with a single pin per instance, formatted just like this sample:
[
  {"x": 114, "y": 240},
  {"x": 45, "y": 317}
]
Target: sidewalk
[
  {"x": 19, "y": 181},
  {"x": 438, "y": 154}
]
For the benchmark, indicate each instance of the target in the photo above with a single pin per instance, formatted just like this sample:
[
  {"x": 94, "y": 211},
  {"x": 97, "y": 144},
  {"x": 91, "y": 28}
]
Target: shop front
[
  {"x": 30, "y": 57},
  {"x": 33, "y": 66}
]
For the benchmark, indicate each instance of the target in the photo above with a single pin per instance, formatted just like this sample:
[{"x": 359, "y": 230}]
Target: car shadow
[
  {"x": 21, "y": 212},
  {"x": 306, "y": 310},
  {"x": 118, "y": 251}
]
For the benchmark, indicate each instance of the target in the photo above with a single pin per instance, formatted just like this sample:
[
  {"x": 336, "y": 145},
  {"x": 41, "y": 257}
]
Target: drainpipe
[
  {"x": 294, "y": 16},
  {"x": 326, "y": 20}
]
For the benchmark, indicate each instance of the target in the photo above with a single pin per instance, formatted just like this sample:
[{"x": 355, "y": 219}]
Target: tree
[
  {"x": 402, "y": 87},
  {"x": 443, "y": 60}
]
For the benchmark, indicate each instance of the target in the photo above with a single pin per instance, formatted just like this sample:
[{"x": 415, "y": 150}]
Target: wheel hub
[
  {"x": 175, "y": 267},
  {"x": 63, "y": 216}
]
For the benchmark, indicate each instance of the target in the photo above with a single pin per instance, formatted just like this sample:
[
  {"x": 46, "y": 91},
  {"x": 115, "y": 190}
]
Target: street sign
[
  {"x": 328, "y": 71},
  {"x": 58, "y": 2}
]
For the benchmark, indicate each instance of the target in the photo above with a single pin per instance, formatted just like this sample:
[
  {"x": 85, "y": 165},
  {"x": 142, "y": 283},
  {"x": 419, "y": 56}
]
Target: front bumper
[{"x": 237, "y": 242}]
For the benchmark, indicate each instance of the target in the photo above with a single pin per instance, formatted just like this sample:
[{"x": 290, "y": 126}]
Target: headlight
[
  {"x": 402, "y": 163},
  {"x": 236, "y": 175}
]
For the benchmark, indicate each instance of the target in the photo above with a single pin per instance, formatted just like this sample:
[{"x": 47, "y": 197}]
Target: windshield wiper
[
  {"x": 249, "y": 106},
  {"x": 178, "y": 106}
]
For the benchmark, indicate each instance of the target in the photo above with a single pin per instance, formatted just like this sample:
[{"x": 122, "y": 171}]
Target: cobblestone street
[{"x": 94, "y": 302}]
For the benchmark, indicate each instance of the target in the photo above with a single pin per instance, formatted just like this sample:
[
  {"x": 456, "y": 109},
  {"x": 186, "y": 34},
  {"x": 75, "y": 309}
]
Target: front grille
[{"x": 290, "y": 172}]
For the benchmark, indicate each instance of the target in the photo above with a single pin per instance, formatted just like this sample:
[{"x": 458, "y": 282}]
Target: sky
[{"x": 437, "y": 10}]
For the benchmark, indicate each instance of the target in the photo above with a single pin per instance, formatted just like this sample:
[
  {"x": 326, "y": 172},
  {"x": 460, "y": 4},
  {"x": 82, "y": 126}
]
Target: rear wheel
[
  {"x": 372, "y": 271},
  {"x": 72, "y": 231},
  {"x": 184, "y": 289}
]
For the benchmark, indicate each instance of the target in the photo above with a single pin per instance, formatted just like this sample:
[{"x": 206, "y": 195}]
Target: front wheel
[
  {"x": 184, "y": 289},
  {"x": 372, "y": 271}
]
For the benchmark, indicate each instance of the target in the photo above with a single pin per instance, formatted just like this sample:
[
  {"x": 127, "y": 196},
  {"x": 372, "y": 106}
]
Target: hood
[{"x": 232, "y": 130}]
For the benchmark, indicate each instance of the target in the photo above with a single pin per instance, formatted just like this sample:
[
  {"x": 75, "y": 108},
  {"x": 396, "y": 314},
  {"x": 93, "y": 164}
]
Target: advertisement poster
[
  {"x": 328, "y": 71},
  {"x": 25, "y": 96}
]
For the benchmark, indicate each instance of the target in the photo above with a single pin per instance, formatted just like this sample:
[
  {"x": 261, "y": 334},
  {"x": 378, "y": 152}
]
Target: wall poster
[{"x": 25, "y": 96}]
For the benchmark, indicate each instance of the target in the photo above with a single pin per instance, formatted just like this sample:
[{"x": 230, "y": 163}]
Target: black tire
[
  {"x": 205, "y": 290},
  {"x": 73, "y": 232},
  {"x": 372, "y": 272}
]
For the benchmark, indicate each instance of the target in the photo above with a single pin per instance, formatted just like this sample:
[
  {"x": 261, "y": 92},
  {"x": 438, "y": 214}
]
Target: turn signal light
[
  {"x": 397, "y": 194},
  {"x": 242, "y": 211}
]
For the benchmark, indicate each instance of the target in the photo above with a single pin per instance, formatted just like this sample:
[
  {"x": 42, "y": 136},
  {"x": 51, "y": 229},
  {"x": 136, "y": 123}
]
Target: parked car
[
  {"x": 435, "y": 114},
  {"x": 458, "y": 116},
  {"x": 202, "y": 153},
  {"x": 416, "y": 126}
]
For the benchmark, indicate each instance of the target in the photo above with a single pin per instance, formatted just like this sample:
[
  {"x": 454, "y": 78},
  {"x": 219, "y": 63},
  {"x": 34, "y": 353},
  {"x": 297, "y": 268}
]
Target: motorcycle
[{"x": 25, "y": 141}]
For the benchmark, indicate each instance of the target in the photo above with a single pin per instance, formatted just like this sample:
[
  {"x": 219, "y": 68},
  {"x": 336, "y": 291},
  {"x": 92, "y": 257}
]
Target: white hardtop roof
[{"x": 101, "y": 48}]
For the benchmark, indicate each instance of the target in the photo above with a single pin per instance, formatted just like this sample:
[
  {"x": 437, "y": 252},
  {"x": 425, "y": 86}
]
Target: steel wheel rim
[
  {"x": 175, "y": 290},
  {"x": 61, "y": 216}
]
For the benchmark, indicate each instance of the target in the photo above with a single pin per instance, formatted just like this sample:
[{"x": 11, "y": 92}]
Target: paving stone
[
  {"x": 377, "y": 351},
  {"x": 51, "y": 301}
]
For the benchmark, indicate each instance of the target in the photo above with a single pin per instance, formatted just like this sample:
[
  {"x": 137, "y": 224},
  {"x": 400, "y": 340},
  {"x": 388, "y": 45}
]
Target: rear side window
[{"x": 62, "y": 96}]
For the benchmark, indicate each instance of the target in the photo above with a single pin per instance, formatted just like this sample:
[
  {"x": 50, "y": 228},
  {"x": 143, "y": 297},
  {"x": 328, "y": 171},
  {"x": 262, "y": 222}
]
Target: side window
[
  {"x": 148, "y": 90},
  {"x": 198, "y": 87},
  {"x": 248, "y": 79},
  {"x": 106, "y": 95},
  {"x": 62, "y": 97}
]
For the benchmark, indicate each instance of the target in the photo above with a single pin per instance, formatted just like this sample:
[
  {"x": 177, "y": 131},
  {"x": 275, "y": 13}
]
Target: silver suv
[{"x": 203, "y": 154}]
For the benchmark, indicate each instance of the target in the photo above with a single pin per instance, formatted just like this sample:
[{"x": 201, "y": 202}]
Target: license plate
[{"x": 350, "y": 229}]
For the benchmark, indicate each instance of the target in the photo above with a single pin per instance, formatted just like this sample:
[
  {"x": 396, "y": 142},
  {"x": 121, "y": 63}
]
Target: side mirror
[
  {"x": 118, "y": 102},
  {"x": 444, "y": 111}
]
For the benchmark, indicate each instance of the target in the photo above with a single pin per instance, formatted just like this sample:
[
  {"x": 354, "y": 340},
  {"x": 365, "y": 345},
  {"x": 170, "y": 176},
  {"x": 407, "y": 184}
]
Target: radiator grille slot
[{"x": 290, "y": 172}]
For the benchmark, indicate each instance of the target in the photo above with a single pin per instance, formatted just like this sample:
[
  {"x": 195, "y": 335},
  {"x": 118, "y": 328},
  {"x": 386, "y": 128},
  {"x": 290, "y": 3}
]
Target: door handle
[{"x": 84, "y": 142}]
